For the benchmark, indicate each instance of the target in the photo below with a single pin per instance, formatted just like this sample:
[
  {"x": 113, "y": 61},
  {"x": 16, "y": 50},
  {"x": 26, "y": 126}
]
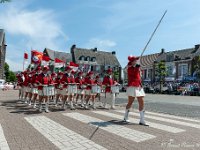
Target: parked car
[{"x": 2, "y": 82}]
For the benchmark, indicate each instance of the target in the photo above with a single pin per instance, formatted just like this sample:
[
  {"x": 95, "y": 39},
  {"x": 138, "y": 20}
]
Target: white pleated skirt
[{"x": 135, "y": 91}]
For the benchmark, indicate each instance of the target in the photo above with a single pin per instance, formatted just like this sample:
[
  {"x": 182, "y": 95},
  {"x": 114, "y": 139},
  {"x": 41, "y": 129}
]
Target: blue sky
[{"x": 110, "y": 25}]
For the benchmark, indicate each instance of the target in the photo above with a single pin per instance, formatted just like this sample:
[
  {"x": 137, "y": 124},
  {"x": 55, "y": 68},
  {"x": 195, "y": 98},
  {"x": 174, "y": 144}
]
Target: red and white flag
[
  {"x": 74, "y": 66},
  {"x": 45, "y": 60},
  {"x": 25, "y": 55},
  {"x": 59, "y": 63}
]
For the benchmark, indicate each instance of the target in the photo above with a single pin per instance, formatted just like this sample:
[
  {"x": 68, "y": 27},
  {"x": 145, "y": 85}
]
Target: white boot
[
  {"x": 40, "y": 107},
  {"x": 126, "y": 115},
  {"x": 71, "y": 105},
  {"x": 47, "y": 107},
  {"x": 113, "y": 101},
  {"x": 34, "y": 105},
  {"x": 93, "y": 105},
  {"x": 82, "y": 103},
  {"x": 29, "y": 103},
  {"x": 142, "y": 122}
]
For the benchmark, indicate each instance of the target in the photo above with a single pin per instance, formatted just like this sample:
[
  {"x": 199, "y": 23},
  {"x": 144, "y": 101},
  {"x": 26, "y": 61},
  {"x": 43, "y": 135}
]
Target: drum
[
  {"x": 51, "y": 91},
  {"x": 96, "y": 89},
  {"x": 115, "y": 89},
  {"x": 72, "y": 89},
  {"x": 45, "y": 90}
]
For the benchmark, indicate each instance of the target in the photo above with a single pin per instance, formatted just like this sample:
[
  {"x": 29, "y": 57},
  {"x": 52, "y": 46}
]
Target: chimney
[
  {"x": 113, "y": 53},
  {"x": 196, "y": 47},
  {"x": 73, "y": 48},
  {"x": 95, "y": 49},
  {"x": 162, "y": 50}
]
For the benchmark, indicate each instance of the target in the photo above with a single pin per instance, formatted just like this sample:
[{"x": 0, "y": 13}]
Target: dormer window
[
  {"x": 93, "y": 59},
  {"x": 82, "y": 58},
  {"x": 87, "y": 58}
]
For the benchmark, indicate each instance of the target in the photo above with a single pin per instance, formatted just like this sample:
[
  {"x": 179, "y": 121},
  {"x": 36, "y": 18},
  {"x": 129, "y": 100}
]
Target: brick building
[{"x": 2, "y": 52}]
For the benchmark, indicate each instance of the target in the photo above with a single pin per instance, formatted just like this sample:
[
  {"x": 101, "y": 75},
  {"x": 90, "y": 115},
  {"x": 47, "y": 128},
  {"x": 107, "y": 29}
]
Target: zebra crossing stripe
[
  {"x": 171, "y": 116},
  {"x": 60, "y": 136},
  {"x": 151, "y": 124},
  {"x": 3, "y": 142},
  {"x": 165, "y": 120},
  {"x": 131, "y": 134}
]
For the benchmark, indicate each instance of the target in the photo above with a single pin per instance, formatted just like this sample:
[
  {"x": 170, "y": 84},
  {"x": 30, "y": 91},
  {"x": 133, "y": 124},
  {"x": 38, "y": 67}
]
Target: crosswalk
[{"x": 65, "y": 139}]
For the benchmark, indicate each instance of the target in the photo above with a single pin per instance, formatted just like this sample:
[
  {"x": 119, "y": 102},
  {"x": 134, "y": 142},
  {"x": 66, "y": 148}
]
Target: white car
[{"x": 2, "y": 82}]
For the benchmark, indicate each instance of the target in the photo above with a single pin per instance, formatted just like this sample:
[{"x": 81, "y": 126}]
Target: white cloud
[
  {"x": 100, "y": 44},
  {"x": 35, "y": 29}
]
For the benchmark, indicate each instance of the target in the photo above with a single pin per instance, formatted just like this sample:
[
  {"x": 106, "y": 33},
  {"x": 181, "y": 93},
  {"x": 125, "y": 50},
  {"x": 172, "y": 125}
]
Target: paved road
[{"x": 23, "y": 128}]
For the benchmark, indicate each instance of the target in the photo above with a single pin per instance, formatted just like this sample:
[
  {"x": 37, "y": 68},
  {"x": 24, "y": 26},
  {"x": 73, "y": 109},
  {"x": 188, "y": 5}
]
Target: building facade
[
  {"x": 2, "y": 52},
  {"x": 96, "y": 61},
  {"x": 179, "y": 64}
]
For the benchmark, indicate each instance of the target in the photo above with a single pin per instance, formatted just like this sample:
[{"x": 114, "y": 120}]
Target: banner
[
  {"x": 25, "y": 55},
  {"x": 36, "y": 57}
]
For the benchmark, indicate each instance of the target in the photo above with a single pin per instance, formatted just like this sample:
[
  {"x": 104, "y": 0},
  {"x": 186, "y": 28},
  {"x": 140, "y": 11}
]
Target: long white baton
[{"x": 153, "y": 33}]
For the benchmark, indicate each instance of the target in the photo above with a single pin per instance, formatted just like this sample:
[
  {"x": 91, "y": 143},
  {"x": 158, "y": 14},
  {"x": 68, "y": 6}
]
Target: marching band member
[
  {"x": 58, "y": 87},
  {"x": 20, "y": 80},
  {"x": 72, "y": 89},
  {"x": 97, "y": 91},
  {"x": 43, "y": 81},
  {"x": 30, "y": 86},
  {"x": 34, "y": 89},
  {"x": 26, "y": 85},
  {"x": 52, "y": 85},
  {"x": 89, "y": 81},
  {"x": 65, "y": 81},
  {"x": 134, "y": 89},
  {"x": 108, "y": 82},
  {"x": 81, "y": 89}
]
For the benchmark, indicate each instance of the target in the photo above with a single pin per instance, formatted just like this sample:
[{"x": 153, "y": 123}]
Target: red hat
[
  {"x": 90, "y": 73},
  {"x": 80, "y": 73},
  {"x": 68, "y": 68},
  {"x": 60, "y": 73},
  {"x": 53, "y": 74},
  {"x": 109, "y": 70},
  {"x": 132, "y": 58},
  {"x": 73, "y": 72},
  {"x": 45, "y": 68},
  {"x": 97, "y": 77},
  {"x": 39, "y": 68}
]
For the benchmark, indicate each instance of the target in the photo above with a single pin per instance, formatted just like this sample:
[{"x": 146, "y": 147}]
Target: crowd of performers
[{"x": 71, "y": 87}]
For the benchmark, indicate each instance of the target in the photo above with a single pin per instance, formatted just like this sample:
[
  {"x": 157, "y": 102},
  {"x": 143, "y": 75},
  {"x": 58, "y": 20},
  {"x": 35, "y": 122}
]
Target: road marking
[
  {"x": 3, "y": 142},
  {"x": 171, "y": 116},
  {"x": 60, "y": 136},
  {"x": 165, "y": 120},
  {"x": 151, "y": 124},
  {"x": 131, "y": 134}
]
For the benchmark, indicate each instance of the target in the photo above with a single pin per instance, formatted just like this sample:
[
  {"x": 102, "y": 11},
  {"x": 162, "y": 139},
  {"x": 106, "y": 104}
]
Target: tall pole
[{"x": 153, "y": 33}]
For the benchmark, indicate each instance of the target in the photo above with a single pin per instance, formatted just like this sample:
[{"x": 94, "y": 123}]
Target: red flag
[
  {"x": 45, "y": 58},
  {"x": 36, "y": 57},
  {"x": 58, "y": 60},
  {"x": 73, "y": 64},
  {"x": 25, "y": 56}
]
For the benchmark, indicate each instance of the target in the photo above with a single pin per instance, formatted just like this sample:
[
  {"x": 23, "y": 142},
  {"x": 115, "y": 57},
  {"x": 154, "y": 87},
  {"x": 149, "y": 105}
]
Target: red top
[
  {"x": 19, "y": 81},
  {"x": 134, "y": 78},
  {"x": 80, "y": 81},
  {"x": 26, "y": 81},
  {"x": 34, "y": 81},
  {"x": 108, "y": 82},
  {"x": 57, "y": 83},
  {"x": 90, "y": 81},
  {"x": 65, "y": 79},
  {"x": 43, "y": 79}
]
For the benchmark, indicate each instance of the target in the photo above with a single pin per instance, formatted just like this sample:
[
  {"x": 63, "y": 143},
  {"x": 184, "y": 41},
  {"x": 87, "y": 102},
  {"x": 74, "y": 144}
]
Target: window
[
  {"x": 93, "y": 59},
  {"x": 183, "y": 70},
  {"x": 87, "y": 58},
  {"x": 82, "y": 58}
]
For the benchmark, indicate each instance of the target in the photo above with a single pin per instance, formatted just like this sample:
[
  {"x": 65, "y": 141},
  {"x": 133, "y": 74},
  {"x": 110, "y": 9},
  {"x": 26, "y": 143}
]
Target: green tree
[
  {"x": 10, "y": 76},
  {"x": 160, "y": 72},
  {"x": 3, "y": 1}
]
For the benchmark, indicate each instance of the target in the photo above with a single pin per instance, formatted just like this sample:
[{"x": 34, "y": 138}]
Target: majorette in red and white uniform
[
  {"x": 108, "y": 82},
  {"x": 43, "y": 92},
  {"x": 34, "y": 87},
  {"x": 80, "y": 88},
  {"x": 89, "y": 81},
  {"x": 58, "y": 86},
  {"x": 134, "y": 87},
  {"x": 26, "y": 85},
  {"x": 20, "y": 81},
  {"x": 52, "y": 83}
]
